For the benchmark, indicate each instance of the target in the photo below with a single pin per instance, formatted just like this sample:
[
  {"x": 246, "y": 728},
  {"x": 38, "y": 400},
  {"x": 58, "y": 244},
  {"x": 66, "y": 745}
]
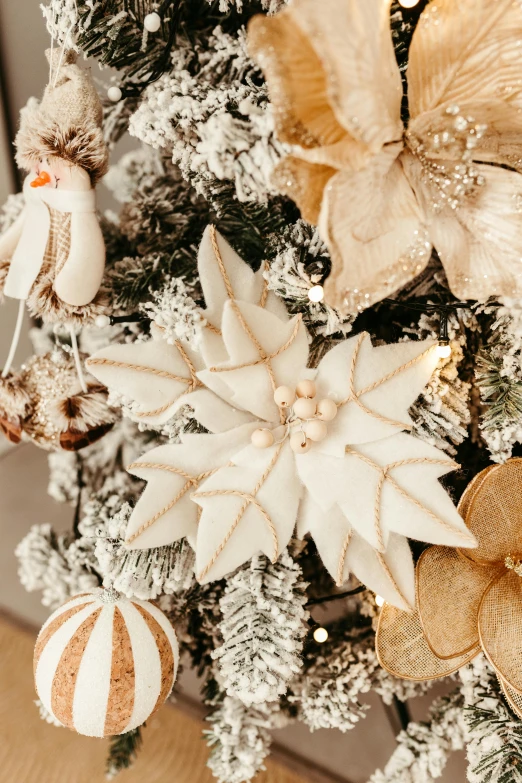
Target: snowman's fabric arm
[
  {"x": 10, "y": 238},
  {"x": 78, "y": 281}
]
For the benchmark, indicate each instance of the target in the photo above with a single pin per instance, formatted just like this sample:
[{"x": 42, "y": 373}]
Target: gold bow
[
  {"x": 381, "y": 193},
  {"x": 467, "y": 601}
]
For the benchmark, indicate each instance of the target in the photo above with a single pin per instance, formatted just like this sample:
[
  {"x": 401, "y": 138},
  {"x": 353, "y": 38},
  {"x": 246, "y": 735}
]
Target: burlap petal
[
  {"x": 403, "y": 651},
  {"x": 500, "y": 627},
  {"x": 513, "y": 698},
  {"x": 495, "y": 512},
  {"x": 471, "y": 490},
  {"x": 449, "y": 591}
]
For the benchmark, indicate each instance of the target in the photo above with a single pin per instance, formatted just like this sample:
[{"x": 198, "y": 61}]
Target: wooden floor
[{"x": 32, "y": 751}]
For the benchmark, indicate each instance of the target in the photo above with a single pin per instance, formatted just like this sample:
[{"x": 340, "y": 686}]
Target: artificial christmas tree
[{"x": 300, "y": 434}]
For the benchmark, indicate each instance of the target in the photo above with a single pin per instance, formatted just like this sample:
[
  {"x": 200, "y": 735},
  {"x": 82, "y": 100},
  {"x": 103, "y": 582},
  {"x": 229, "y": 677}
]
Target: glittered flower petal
[
  {"x": 373, "y": 226},
  {"x": 296, "y": 80},
  {"x": 449, "y": 590},
  {"x": 404, "y": 652},
  {"x": 455, "y": 58}
]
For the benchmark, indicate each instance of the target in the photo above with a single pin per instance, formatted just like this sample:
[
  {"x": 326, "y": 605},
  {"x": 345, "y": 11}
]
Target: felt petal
[
  {"x": 454, "y": 55},
  {"x": 480, "y": 242},
  {"x": 247, "y": 508},
  {"x": 152, "y": 375},
  {"x": 449, "y": 591},
  {"x": 224, "y": 275},
  {"x": 213, "y": 413},
  {"x": 343, "y": 551},
  {"x": 373, "y": 226},
  {"x": 297, "y": 82},
  {"x": 500, "y": 627},
  {"x": 379, "y": 386},
  {"x": 353, "y": 41},
  {"x": 165, "y": 513},
  {"x": 404, "y": 652},
  {"x": 264, "y": 353},
  {"x": 495, "y": 511},
  {"x": 387, "y": 486}
]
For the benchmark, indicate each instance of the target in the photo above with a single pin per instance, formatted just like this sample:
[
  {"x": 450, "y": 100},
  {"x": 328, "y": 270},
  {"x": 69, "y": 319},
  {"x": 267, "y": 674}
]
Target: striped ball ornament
[{"x": 103, "y": 664}]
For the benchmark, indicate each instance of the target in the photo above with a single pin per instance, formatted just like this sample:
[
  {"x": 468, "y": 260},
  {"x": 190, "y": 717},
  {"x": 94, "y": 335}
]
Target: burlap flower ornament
[
  {"x": 382, "y": 194},
  {"x": 467, "y": 601},
  {"x": 321, "y": 448}
]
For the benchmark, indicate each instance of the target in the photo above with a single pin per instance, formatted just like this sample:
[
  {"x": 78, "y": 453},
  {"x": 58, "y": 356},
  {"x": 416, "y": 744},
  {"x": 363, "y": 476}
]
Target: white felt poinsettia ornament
[{"x": 286, "y": 444}]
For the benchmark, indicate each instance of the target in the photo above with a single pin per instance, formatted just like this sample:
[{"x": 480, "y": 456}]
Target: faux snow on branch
[{"x": 263, "y": 628}]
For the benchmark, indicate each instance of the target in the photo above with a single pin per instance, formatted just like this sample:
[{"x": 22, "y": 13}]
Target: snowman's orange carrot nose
[{"x": 42, "y": 179}]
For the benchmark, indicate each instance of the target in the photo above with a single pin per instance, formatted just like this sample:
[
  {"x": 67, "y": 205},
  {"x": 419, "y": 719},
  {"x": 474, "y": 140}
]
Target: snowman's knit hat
[{"x": 67, "y": 121}]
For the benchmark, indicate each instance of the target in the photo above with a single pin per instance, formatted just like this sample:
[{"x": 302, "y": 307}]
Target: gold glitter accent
[{"x": 47, "y": 379}]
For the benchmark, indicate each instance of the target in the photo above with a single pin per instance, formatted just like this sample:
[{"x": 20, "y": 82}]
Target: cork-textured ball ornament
[{"x": 103, "y": 664}]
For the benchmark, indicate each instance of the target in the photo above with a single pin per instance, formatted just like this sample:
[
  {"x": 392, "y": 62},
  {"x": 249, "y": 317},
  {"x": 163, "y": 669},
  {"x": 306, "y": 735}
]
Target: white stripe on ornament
[
  {"x": 52, "y": 652},
  {"x": 166, "y": 625},
  {"x": 147, "y": 665},
  {"x": 94, "y": 677},
  {"x": 84, "y": 599}
]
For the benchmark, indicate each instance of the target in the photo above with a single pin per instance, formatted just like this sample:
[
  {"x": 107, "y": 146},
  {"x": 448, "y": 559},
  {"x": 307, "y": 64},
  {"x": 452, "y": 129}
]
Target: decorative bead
[
  {"x": 284, "y": 396},
  {"x": 305, "y": 408},
  {"x": 326, "y": 409},
  {"x": 299, "y": 442},
  {"x": 316, "y": 293},
  {"x": 316, "y": 430},
  {"x": 152, "y": 22},
  {"x": 306, "y": 389},
  {"x": 102, "y": 321},
  {"x": 262, "y": 439},
  {"x": 114, "y": 94}
]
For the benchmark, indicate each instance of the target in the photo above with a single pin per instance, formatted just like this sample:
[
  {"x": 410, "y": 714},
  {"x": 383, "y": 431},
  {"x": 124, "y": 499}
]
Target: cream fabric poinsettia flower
[
  {"x": 343, "y": 469},
  {"x": 382, "y": 194}
]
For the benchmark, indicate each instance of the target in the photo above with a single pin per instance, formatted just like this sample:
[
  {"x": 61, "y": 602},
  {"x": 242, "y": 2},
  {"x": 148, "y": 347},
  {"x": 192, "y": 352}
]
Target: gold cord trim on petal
[
  {"x": 249, "y": 498},
  {"x": 342, "y": 558},
  {"x": 192, "y": 383},
  {"x": 264, "y": 357},
  {"x": 355, "y": 396},
  {"x": 384, "y": 475},
  {"x": 191, "y": 481}
]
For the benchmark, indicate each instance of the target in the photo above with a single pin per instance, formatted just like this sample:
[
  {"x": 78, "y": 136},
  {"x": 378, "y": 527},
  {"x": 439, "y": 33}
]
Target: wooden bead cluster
[{"x": 311, "y": 416}]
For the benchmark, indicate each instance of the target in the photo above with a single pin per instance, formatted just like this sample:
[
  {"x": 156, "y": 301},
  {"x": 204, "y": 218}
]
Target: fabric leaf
[
  {"x": 165, "y": 512},
  {"x": 376, "y": 386},
  {"x": 264, "y": 353},
  {"x": 344, "y": 552},
  {"x": 247, "y": 508},
  {"x": 153, "y": 375},
  {"x": 388, "y": 486}
]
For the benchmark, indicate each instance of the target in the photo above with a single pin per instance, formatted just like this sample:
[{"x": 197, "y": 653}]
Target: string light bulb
[
  {"x": 444, "y": 350},
  {"x": 316, "y": 293},
  {"x": 320, "y": 635},
  {"x": 408, "y": 3},
  {"x": 114, "y": 93},
  {"x": 379, "y": 600}
]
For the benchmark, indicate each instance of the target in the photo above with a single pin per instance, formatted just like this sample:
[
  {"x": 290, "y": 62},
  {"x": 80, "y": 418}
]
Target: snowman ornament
[{"x": 52, "y": 258}]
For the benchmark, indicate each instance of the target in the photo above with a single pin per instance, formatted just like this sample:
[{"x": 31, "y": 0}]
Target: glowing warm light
[
  {"x": 316, "y": 293},
  {"x": 379, "y": 600},
  {"x": 408, "y": 3},
  {"x": 444, "y": 350},
  {"x": 320, "y": 635}
]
